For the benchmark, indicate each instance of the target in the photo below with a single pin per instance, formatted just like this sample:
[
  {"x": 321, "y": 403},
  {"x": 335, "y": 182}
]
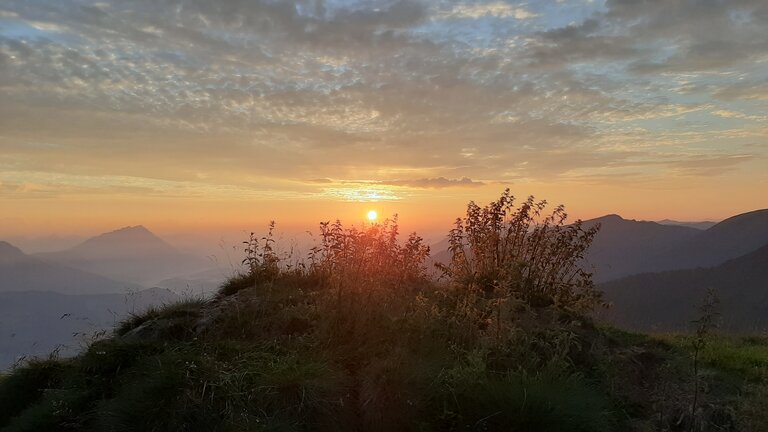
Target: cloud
[
  {"x": 496, "y": 9},
  {"x": 262, "y": 94},
  {"x": 660, "y": 37},
  {"x": 361, "y": 192},
  {"x": 743, "y": 91},
  {"x": 436, "y": 183},
  {"x": 709, "y": 165}
]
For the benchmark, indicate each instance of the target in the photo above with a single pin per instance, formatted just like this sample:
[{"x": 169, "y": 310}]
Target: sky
[{"x": 207, "y": 116}]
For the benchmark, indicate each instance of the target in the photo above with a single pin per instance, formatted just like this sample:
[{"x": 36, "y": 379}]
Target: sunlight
[
  {"x": 372, "y": 215},
  {"x": 362, "y": 194}
]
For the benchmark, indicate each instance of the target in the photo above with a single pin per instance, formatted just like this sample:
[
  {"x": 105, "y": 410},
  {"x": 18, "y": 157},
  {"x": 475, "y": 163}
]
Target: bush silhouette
[{"x": 503, "y": 250}]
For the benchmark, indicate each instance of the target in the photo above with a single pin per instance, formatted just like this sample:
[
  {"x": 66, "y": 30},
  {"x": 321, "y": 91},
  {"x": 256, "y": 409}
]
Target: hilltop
[{"x": 359, "y": 339}]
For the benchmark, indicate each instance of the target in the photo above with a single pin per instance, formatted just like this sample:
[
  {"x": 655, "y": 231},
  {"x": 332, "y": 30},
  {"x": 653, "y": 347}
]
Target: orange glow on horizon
[{"x": 333, "y": 129}]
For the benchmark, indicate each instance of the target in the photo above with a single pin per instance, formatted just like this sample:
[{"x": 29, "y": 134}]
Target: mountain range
[
  {"x": 21, "y": 272},
  {"x": 626, "y": 247},
  {"x": 54, "y": 300},
  {"x": 728, "y": 239},
  {"x": 655, "y": 275},
  {"x": 132, "y": 254},
  {"x": 623, "y": 247}
]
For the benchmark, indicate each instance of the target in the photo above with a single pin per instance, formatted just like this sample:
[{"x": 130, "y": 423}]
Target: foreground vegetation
[{"x": 356, "y": 337}]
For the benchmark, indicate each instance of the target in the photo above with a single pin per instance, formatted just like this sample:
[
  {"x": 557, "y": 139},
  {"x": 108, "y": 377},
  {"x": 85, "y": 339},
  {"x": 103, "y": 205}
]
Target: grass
[
  {"x": 185, "y": 309},
  {"x": 745, "y": 356},
  {"x": 238, "y": 282},
  {"x": 519, "y": 402}
]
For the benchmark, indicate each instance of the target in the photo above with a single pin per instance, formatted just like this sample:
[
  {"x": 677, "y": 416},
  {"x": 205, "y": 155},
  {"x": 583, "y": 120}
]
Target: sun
[{"x": 372, "y": 215}]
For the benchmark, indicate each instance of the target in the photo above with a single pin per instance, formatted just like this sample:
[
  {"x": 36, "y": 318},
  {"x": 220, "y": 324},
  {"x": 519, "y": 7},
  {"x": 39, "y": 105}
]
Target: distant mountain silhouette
[
  {"x": 626, "y": 247},
  {"x": 668, "y": 300},
  {"x": 35, "y": 323},
  {"x": 132, "y": 254},
  {"x": 698, "y": 225},
  {"x": 9, "y": 251},
  {"x": 728, "y": 239},
  {"x": 623, "y": 247},
  {"x": 21, "y": 272}
]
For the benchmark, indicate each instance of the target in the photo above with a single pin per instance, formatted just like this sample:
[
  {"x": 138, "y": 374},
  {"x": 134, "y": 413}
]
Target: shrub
[
  {"x": 503, "y": 250},
  {"x": 372, "y": 257},
  {"x": 261, "y": 259}
]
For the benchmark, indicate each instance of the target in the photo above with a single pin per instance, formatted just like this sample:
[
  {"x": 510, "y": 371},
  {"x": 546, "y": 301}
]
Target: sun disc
[{"x": 372, "y": 215}]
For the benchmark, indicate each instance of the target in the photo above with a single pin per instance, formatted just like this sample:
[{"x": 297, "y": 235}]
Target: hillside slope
[
  {"x": 731, "y": 238},
  {"x": 667, "y": 300}
]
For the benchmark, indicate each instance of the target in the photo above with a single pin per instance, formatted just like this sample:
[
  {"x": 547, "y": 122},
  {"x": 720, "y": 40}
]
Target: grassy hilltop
[{"x": 357, "y": 337}]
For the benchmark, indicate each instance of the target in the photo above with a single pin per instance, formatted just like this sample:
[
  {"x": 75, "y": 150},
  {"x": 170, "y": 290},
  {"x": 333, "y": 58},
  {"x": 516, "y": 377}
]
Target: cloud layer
[{"x": 198, "y": 96}]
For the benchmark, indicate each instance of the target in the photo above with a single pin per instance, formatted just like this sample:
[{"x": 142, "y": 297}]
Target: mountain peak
[
  {"x": 131, "y": 253},
  {"x": 613, "y": 217},
  {"x": 136, "y": 229},
  {"x": 126, "y": 240},
  {"x": 130, "y": 233}
]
